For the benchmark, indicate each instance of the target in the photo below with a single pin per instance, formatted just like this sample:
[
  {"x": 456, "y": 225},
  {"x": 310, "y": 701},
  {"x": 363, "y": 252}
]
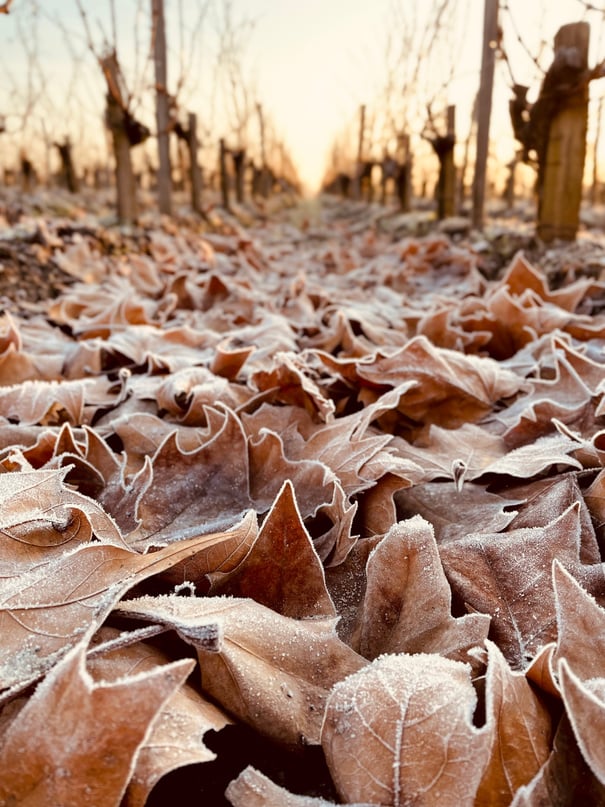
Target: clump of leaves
[{"x": 355, "y": 511}]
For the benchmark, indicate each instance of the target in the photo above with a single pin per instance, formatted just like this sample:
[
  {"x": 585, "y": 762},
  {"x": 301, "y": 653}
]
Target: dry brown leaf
[
  {"x": 270, "y": 469},
  {"x": 334, "y": 544},
  {"x": 594, "y": 497},
  {"x": 585, "y": 707},
  {"x": 45, "y": 611},
  {"x": 41, "y": 518},
  {"x": 270, "y": 671},
  {"x": 356, "y": 453},
  {"x": 166, "y": 349},
  {"x": 44, "y": 402},
  {"x": 400, "y": 731},
  {"x": 407, "y": 603},
  {"x": 91, "y": 734},
  {"x": 516, "y": 321},
  {"x": 143, "y": 433},
  {"x": 455, "y": 512},
  {"x": 377, "y": 509},
  {"x": 289, "y": 381},
  {"x": 94, "y": 469},
  {"x": 453, "y": 388},
  {"x": 25, "y": 356},
  {"x": 203, "y": 489},
  {"x": 220, "y": 554},
  {"x": 438, "y": 451},
  {"x": 346, "y": 583},
  {"x": 580, "y": 628},
  {"x": 93, "y": 311},
  {"x": 185, "y": 394},
  {"x": 508, "y": 575},
  {"x": 548, "y": 498},
  {"x": 521, "y": 275},
  {"x": 565, "y": 778},
  {"x": 282, "y": 570},
  {"x": 520, "y": 729},
  {"x": 565, "y": 394},
  {"x": 228, "y": 359},
  {"x": 254, "y": 789},
  {"x": 530, "y": 460},
  {"x": 176, "y": 736}
]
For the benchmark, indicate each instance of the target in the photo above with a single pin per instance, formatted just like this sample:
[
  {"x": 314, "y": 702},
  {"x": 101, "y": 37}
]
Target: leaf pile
[{"x": 342, "y": 491}]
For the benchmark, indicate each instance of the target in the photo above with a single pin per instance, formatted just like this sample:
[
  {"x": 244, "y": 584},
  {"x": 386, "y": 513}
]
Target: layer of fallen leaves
[{"x": 340, "y": 494}]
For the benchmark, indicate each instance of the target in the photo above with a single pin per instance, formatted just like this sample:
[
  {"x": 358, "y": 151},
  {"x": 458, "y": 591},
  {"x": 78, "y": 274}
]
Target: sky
[{"x": 311, "y": 62}]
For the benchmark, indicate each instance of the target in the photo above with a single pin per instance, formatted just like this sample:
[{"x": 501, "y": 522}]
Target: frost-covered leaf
[
  {"x": 41, "y": 518},
  {"x": 400, "y": 731},
  {"x": 407, "y": 603},
  {"x": 206, "y": 487},
  {"x": 564, "y": 779},
  {"x": 254, "y": 789},
  {"x": 581, "y": 627},
  {"x": 585, "y": 707},
  {"x": 508, "y": 575},
  {"x": 272, "y": 672},
  {"x": 520, "y": 729},
  {"x": 75, "y": 742},
  {"x": 282, "y": 570},
  {"x": 455, "y": 512},
  {"x": 453, "y": 388},
  {"x": 176, "y": 736},
  {"x": 43, "y": 613}
]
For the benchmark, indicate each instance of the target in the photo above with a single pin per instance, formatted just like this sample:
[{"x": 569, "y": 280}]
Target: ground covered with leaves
[{"x": 309, "y": 514}]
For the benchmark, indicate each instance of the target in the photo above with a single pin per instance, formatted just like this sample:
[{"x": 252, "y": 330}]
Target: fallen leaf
[
  {"x": 254, "y": 789},
  {"x": 453, "y": 388},
  {"x": 206, "y": 487},
  {"x": 44, "y": 612},
  {"x": 407, "y": 603},
  {"x": 508, "y": 575},
  {"x": 291, "y": 383},
  {"x": 41, "y": 518},
  {"x": 520, "y": 729},
  {"x": 282, "y": 570},
  {"x": 270, "y": 468},
  {"x": 549, "y": 498},
  {"x": 270, "y": 671},
  {"x": 176, "y": 737},
  {"x": 400, "y": 731},
  {"x": 564, "y": 779},
  {"x": 585, "y": 706},
  {"x": 80, "y": 759},
  {"x": 455, "y": 513},
  {"x": 521, "y": 275},
  {"x": 580, "y": 628}
]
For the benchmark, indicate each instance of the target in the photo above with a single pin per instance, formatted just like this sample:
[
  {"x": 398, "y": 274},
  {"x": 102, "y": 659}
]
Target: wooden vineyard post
[
  {"x": 484, "y": 108},
  {"x": 594, "y": 188},
  {"x": 122, "y": 127},
  {"x": 443, "y": 146},
  {"x": 125, "y": 182},
  {"x": 404, "y": 176},
  {"x": 161, "y": 104},
  {"x": 360, "y": 144},
  {"x": 195, "y": 173},
  {"x": 447, "y": 183},
  {"x": 560, "y": 189},
  {"x": 509, "y": 189},
  {"x": 264, "y": 181},
  {"x": 239, "y": 168},
  {"x": 224, "y": 179},
  {"x": 68, "y": 170}
]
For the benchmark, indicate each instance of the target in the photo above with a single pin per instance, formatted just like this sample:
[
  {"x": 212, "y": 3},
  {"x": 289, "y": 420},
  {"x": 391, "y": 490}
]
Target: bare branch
[{"x": 6, "y": 7}]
